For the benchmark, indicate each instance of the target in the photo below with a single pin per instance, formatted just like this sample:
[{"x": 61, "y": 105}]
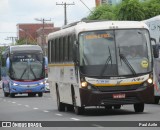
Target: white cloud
[
  {"x": 25, "y": 11},
  {"x": 3, "y": 6}
]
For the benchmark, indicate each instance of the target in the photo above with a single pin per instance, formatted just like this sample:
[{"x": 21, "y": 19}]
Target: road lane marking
[
  {"x": 75, "y": 119},
  {"x": 45, "y": 111},
  {"x": 13, "y": 102},
  {"x": 99, "y": 126},
  {"x": 35, "y": 108},
  {"x": 26, "y": 105},
  {"x": 59, "y": 114},
  {"x": 19, "y": 104}
]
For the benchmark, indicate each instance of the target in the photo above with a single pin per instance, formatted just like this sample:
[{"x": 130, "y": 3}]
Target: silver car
[{"x": 47, "y": 89}]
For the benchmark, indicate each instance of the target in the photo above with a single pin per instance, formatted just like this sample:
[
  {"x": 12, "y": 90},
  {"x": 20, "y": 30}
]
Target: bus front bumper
[
  {"x": 97, "y": 98},
  {"x": 20, "y": 89}
]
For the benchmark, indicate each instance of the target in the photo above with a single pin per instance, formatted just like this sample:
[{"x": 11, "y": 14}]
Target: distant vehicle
[
  {"x": 88, "y": 65},
  {"x": 47, "y": 89},
  {"x": 0, "y": 84},
  {"x": 154, "y": 29},
  {"x": 23, "y": 70}
]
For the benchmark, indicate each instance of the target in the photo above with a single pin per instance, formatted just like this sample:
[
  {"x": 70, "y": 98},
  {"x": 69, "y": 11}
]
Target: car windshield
[
  {"x": 115, "y": 52},
  {"x": 27, "y": 66}
]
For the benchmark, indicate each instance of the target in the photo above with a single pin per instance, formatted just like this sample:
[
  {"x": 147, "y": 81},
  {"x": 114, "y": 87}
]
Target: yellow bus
[{"x": 91, "y": 64}]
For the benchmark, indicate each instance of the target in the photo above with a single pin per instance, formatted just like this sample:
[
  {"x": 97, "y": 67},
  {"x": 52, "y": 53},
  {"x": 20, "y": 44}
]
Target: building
[
  {"x": 28, "y": 31},
  {"x": 111, "y": 2},
  {"x": 42, "y": 39},
  {"x": 35, "y": 32}
]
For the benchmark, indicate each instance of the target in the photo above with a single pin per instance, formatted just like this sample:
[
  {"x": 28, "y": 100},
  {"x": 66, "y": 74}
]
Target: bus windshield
[
  {"x": 26, "y": 66},
  {"x": 115, "y": 52}
]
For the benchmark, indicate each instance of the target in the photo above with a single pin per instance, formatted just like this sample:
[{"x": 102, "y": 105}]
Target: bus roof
[
  {"x": 25, "y": 48},
  {"x": 156, "y": 18},
  {"x": 22, "y": 48},
  {"x": 96, "y": 25}
]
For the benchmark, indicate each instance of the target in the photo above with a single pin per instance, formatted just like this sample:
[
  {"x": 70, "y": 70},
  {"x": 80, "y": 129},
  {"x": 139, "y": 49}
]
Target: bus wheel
[
  {"x": 6, "y": 94},
  {"x": 117, "y": 106},
  {"x": 108, "y": 107},
  {"x": 12, "y": 95},
  {"x": 77, "y": 110},
  {"x": 60, "y": 105},
  {"x": 40, "y": 94},
  {"x": 70, "y": 108},
  {"x": 31, "y": 94},
  {"x": 139, "y": 107},
  {"x": 156, "y": 100}
]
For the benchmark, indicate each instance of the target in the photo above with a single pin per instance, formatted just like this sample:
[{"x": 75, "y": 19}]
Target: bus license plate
[
  {"x": 28, "y": 90},
  {"x": 119, "y": 96}
]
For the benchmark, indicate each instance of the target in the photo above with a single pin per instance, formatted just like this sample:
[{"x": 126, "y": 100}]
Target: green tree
[
  {"x": 23, "y": 42},
  {"x": 103, "y": 12},
  {"x": 131, "y": 10},
  {"x": 151, "y": 8}
]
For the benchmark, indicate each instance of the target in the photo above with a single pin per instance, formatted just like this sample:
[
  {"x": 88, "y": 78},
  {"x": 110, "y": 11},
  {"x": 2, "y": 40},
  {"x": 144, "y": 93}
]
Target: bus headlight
[
  {"x": 84, "y": 84},
  {"x": 150, "y": 81},
  {"x": 41, "y": 83},
  {"x": 14, "y": 84}
]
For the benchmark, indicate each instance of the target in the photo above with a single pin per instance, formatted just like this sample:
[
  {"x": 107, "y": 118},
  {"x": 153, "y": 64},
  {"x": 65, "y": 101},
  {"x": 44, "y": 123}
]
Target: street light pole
[
  {"x": 26, "y": 35},
  {"x": 12, "y": 39},
  {"x": 65, "y": 11},
  {"x": 43, "y": 37}
]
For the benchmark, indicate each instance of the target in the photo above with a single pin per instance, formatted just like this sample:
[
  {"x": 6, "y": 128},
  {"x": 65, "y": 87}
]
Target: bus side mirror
[
  {"x": 155, "y": 50},
  {"x": 8, "y": 63},
  {"x": 46, "y": 62},
  {"x": 75, "y": 52},
  {"x": 0, "y": 70},
  {"x": 46, "y": 66}
]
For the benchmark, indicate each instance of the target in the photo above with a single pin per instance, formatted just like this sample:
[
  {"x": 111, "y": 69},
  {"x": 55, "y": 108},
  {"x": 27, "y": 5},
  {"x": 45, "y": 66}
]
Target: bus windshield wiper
[
  {"x": 24, "y": 72},
  {"x": 127, "y": 63},
  {"x": 106, "y": 63},
  {"x": 32, "y": 72}
]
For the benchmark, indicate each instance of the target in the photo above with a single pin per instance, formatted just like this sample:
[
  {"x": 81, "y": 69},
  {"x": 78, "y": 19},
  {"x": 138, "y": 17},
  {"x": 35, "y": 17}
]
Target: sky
[{"x": 13, "y": 12}]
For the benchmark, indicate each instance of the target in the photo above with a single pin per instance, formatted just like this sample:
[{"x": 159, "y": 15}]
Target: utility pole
[
  {"x": 65, "y": 10},
  {"x": 12, "y": 39},
  {"x": 43, "y": 37}
]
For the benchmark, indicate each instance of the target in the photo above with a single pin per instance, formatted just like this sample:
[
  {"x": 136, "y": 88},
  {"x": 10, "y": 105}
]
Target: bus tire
[
  {"x": 40, "y": 94},
  {"x": 139, "y": 107},
  {"x": 117, "y": 106},
  {"x": 156, "y": 100},
  {"x": 31, "y": 94},
  {"x": 70, "y": 108},
  {"x": 108, "y": 107},
  {"x": 12, "y": 95},
  {"x": 77, "y": 110},
  {"x": 6, "y": 94},
  {"x": 60, "y": 105}
]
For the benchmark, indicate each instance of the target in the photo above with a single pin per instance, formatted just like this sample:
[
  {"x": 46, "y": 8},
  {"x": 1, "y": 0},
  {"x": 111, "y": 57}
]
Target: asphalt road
[{"x": 24, "y": 108}]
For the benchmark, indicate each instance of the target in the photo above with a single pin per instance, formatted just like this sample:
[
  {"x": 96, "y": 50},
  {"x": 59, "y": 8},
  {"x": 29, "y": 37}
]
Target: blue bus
[{"x": 23, "y": 70}]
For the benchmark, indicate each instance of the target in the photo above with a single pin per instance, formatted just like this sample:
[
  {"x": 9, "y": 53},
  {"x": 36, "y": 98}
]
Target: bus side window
[
  {"x": 71, "y": 41},
  {"x": 61, "y": 50},
  {"x": 49, "y": 51},
  {"x": 53, "y": 51},
  {"x": 57, "y": 50},
  {"x": 66, "y": 49}
]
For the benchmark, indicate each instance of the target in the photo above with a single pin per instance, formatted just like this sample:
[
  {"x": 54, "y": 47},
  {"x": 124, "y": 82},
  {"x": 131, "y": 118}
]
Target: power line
[
  {"x": 43, "y": 37},
  {"x": 8, "y": 32},
  {"x": 12, "y": 39},
  {"x": 86, "y": 6},
  {"x": 65, "y": 10}
]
